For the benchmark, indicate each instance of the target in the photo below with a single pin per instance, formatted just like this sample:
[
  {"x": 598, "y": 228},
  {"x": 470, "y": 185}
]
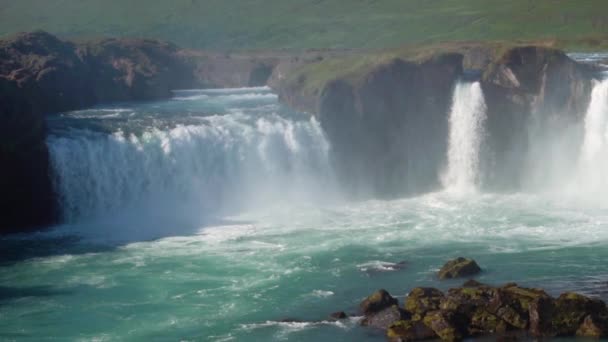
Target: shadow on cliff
[{"x": 98, "y": 237}]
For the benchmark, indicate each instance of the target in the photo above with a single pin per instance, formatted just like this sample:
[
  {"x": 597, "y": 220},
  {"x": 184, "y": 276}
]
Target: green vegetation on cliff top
[{"x": 258, "y": 24}]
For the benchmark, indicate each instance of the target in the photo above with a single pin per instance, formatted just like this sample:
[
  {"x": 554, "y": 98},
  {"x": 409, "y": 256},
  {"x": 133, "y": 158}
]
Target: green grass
[
  {"x": 353, "y": 67},
  {"x": 260, "y": 24}
]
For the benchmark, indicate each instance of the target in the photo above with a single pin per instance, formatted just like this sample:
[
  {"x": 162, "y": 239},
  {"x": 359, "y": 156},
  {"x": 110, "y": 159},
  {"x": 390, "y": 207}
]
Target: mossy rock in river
[
  {"x": 507, "y": 312},
  {"x": 385, "y": 318},
  {"x": 444, "y": 325},
  {"x": 571, "y": 310},
  {"x": 422, "y": 300},
  {"x": 409, "y": 330},
  {"x": 483, "y": 323},
  {"x": 593, "y": 326},
  {"x": 377, "y": 302},
  {"x": 460, "y": 267}
]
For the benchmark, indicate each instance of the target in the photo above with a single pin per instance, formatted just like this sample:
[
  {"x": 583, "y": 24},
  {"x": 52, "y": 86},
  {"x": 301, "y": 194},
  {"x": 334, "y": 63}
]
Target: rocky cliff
[
  {"x": 384, "y": 113},
  {"x": 41, "y": 74},
  {"x": 529, "y": 87},
  {"x": 387, "y": 118}
]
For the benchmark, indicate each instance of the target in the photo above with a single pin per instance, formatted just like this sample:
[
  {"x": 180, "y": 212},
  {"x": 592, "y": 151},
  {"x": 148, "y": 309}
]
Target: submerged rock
[
  {"x": 460, "y": 267},
  {"x": 338, "y": 315}
]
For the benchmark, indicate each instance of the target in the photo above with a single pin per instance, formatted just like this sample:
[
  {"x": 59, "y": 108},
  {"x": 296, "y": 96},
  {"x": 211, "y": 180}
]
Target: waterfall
[
  {"x": 214, "y": 164},
  {"x": 466, "y": 121},
  {"x": 593, "y": 163}
]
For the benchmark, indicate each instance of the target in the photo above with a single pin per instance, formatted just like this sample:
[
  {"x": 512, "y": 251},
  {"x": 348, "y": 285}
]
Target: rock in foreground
[{"x": 483, "y": 310}]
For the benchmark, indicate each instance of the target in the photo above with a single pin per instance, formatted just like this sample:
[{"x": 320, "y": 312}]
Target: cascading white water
[
  {"x": 466, "y": 121},
  {"x": 223, "y": 163},
  {"x": 593, "y": 164}
]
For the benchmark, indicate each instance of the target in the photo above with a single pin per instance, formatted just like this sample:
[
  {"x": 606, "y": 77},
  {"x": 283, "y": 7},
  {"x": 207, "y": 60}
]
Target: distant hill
[{"x": 258, "y": 24}]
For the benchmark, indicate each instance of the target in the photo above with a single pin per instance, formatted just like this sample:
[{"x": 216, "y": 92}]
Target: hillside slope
[{"x": 230, "y": 24}]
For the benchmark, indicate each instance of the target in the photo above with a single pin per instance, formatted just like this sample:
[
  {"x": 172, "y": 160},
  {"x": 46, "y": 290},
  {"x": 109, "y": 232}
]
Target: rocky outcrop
[
  {"x": 388, "y": 128},
  {"x": 57, "y": 75},
  {"x": 525, "y": 84},
  {"x": 41, "y": 74},
  {"x": 133, "y": 69},
  {"x": 47, "y": 71},
  {"x": 216, "y": 70},
  {"x": 459, "y": 267},
  {"x": 485, "y": 310},
  {"x": 386, "y": 122}
]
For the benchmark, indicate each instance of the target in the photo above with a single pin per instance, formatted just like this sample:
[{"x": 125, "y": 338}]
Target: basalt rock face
[
  {"x": 529, "y": 87},
  {"x": 213, "y": 70},
  {"x": 26, "y": 200},
  {"x": 39, "y": 75},
  {"x": 388, "y": 128},
  {"x": 47, "y": 71},
  {"x": 127, "y": 70},
  {"x": 483, "y": 310},
  {"x": 58, "y": 75}
]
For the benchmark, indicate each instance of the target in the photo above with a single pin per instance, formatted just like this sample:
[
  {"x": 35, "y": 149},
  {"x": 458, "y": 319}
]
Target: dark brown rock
[
  {"x": 483, "y": 323},
  {"x": 444, "y": 325},
  {"x": 422, "y": 300},
  {"x": 460, "y": 267},
  {"x": 134, "y": 69},
  {"x": 387, "y": 123},
  {"x": 593, "y": 326},
  {"x": 467, "y": 301},
  {"x": 377, "y": 302},
  {"x": 541, "y": 316},
  {"x": 385, "y": 318},
  {"x": 409, "y": 330},
  {"x": 523, "y": 81},
  {"x": 338, "y": 315},
  {"x": 571, "y": 309}
]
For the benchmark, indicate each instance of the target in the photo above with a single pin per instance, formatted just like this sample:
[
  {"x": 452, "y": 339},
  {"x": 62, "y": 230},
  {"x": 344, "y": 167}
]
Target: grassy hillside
[{"x": 234, "y": 24}]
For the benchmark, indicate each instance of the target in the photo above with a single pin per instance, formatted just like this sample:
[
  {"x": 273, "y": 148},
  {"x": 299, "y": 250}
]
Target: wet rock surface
[
  {"x": 458, "y": 268},
  {"x": 504, "y": 312}
]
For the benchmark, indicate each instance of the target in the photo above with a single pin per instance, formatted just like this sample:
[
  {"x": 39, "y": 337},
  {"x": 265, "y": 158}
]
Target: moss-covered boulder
[
  {"x": 422, "y": 300},
  {"x": 385, "y": 318},
  {"x": 508, "y": 311},
  {"x": 483, "y": 323},
  {"x": 409, "y": 330},
  {"x": 460, "y": 267},
  {"x": 593, "y": 326},
  {"x": 466, "y": 300},
  {"x": 377, "y": 302},
  {"x": 540, "y": 313},
  {"x": 444, "y": 325},
  {"x": 571, "y": 310}
]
